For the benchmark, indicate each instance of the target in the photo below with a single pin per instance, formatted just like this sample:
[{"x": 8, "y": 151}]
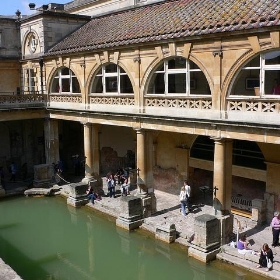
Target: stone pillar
[
  {"x": 272, "y": 187},
  {"x": 77, "y": 194},
  {"x": 43, "y": 176},
  {"x": 88, "y": 151},
  {"x": 166, "y": 233},
  {"x": 131, "y": 213},
  {"x": 259, "y": 211},
  {"x": 222, "y": 177},
  {"x": 51, "y": 141},
  {"x": 206, "y": 243},
  {"x": 95, "y": 150},
  {"x": 141, "y": 162}
]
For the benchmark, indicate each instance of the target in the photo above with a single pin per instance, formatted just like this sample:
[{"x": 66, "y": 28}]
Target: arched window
[
  {"x": 65, "y": 81},
  {"x": 259, "y": 77},
  {"x": 178, "y": 76},
  {"x": 111, "y": 79}
]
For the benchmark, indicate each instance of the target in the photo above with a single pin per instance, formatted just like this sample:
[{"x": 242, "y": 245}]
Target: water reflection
[{"x": 43, "y": 238}]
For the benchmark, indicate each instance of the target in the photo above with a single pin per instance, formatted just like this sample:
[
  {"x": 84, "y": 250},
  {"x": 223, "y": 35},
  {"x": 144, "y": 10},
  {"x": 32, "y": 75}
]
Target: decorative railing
[
  {"x": 172, "y": 102},
  {"x": 112, "y": 100},
  {"x": 23, "y": 100},
  {"x": 241, "y": 203},
  {"x": 69, "y": 98},
  {"x": 254, "y": 105}
]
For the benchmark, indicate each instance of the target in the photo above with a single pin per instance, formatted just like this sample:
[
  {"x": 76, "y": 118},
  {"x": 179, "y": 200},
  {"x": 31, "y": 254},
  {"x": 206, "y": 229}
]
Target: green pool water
[{"x": 44, "y": 238}]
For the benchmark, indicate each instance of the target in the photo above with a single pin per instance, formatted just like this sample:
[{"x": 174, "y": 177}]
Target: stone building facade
[{"x": 175, "y": 89}]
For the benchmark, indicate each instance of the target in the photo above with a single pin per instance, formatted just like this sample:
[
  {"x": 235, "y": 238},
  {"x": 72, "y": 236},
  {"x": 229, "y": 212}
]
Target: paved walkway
[{"x": 168, "y": 211}]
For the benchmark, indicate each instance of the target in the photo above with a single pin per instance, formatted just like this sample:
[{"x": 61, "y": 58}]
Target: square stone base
[
  {"x": 203, "y": 256},
  {"x": 77, "y": 201},
  {"x": 128, "y": 224}
]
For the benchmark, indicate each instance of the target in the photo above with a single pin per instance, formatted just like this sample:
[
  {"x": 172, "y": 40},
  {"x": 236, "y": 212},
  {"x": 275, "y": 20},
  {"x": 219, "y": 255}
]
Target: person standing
[
  {"x": 275, "y": 224},
  {"x": 111, "y": 185},
  {"x": 183, "y": 200},
  {"x": 266, "y": 256},
  {"x": 188, "y": 195}
]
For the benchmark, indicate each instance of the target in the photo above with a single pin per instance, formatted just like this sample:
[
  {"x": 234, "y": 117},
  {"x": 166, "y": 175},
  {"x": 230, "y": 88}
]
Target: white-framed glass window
[
  {"x": 65, "y": 81},
  {"x": 260, "y": 77},
  {"x": 178, "y": 76},
  {"x": 111, "y": 79},
  {"x": 30, "y": 81}
]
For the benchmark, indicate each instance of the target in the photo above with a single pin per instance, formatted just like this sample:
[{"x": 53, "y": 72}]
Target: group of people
[
  {"x": 265, "y": 254},
  {"x": 120, "y": 178}
]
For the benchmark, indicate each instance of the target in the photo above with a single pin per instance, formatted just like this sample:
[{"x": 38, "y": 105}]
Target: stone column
[
  {"x": 95, "y": 150},
  {"x": 51, "y": 141},
  {"x": 272, "y": 186},
  {"x": 141, "y": 162},
  {"x": 222, "y": 185},
  {"x": 88, "y": 151},
  {"x": 222, "y": 177}
]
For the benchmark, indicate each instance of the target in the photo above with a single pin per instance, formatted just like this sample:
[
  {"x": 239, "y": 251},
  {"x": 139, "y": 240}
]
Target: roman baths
[{"x": 167, "y": 92}]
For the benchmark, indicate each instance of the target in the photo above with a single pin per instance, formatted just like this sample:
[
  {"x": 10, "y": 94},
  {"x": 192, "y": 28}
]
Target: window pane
[
  {"x": 199, "y": 84},
  {"x": 157, "y": 84},
  {"x": 65, "y": 71},
  {"x": 111, "y": 84},
  {"x": 125, "y": 84},
  {"x": 97, "y": 86},
  {"x": 111, "y": 68},
  {"x": 272, "y": 85},
  {"x": 193, "y": 65},
  {"x": 75, "y": 85},
  {"x": 65, "y": 85},
  {"x": 272, "y": 58},
  {"x": 177, "y": 83},
  {"x": 245, "y": 82},
  {"x": 255, "y": 62},
  {"x": 177, "y": 63},
  {"x": 55, "y": 85}
]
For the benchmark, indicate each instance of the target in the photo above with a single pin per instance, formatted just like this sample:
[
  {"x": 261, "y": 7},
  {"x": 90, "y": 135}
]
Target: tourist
[
  {"x": 91, "y": 194},
  {"x": 188, "y": 195},
  {"x": 119, "y": 176},
  {"x": 242, "y": 245},
  {"x": 111, "y": 185},
  {"x": 275, "y": 224},
  {"x": 125, "y": 187},
  {"x": 183, "y": 200},
  {"x": 266, "y": 257}
]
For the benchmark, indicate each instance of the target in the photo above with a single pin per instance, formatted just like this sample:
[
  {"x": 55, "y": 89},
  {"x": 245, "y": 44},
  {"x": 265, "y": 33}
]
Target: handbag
[{"x": 269, "y": 263}]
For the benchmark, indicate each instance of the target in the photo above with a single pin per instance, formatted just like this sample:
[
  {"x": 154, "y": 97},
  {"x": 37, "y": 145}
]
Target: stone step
[{"x": 248, "y": 261}]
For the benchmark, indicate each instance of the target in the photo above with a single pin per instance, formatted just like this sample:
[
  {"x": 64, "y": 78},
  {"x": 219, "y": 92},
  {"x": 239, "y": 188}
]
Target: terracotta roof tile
[{"x": 170, "y": 19}]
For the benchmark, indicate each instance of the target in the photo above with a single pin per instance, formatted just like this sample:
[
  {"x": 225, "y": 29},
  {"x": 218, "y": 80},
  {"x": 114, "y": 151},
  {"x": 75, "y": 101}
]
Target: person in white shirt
[{"x": 188, "y": 195}]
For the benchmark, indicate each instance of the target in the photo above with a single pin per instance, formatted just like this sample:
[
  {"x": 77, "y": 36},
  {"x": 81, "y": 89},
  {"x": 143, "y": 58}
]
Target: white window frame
[
  {"x": 184, "y": 70},
  {"x": 69, "y": 77},
  {"x": 105, "y": 75}
]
